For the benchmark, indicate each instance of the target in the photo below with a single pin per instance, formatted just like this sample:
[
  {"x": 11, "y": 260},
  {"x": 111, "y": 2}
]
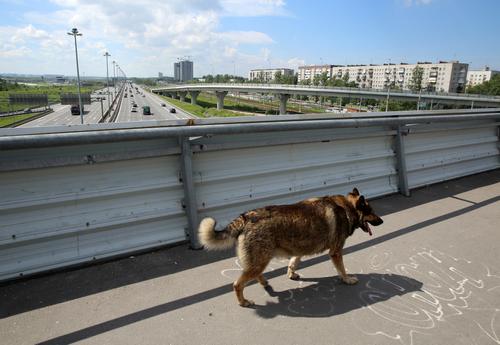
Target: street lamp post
[
  {"x": 106, "y": 54},
  {"x": 114, "y": 79},
  {"x": 74, "y": 32}
]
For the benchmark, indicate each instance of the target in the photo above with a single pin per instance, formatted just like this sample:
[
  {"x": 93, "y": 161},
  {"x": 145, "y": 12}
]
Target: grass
[
  {"x": 53, "y": 92},
  {"x": 204, "y": 108},
  {"x": 7, "y": 121}
]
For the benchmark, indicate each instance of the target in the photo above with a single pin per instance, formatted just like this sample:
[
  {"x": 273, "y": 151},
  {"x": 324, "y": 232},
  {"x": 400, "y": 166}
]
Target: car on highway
[
  {"x": 146, "y": 110},
  {"x": 172, "y": 110},
  {"x": 163, "y": 104},
  {"x": 133, "y": 110},
  {"x": 75, "y": 109},
  {"x": 134, "y": 105}
]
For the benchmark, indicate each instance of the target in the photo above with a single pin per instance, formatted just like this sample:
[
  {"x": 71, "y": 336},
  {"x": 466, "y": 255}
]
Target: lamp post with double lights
[
  {"x": 74, "y": 32},
  {"x": 114, "y": 79}
]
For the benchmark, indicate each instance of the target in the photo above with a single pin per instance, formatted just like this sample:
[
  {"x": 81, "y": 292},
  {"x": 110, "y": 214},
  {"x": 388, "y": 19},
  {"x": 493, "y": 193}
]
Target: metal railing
[
  {"x": 99, "y": 191},
  {"x": 347, "y": 90}
]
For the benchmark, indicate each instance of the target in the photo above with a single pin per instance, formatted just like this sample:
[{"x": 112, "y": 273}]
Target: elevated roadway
[
  {"x": 429, "y": 275},
  {"x": 283, "y": 92}
]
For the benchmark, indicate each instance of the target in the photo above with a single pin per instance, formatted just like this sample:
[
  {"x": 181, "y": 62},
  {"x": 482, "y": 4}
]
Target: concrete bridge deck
[{"x": 429, "y": 275}]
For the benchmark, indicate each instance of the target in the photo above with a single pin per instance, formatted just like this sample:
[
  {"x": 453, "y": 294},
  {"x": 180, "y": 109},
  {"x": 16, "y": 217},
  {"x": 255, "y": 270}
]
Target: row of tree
[
  {"x": 490, "y": 87},
  {"x": 6, "y": 85},
  {"x": 223, "y": 78}
]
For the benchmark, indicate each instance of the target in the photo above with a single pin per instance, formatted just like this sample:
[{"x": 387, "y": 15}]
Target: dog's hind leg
[
  {"x": 338, "y": 262},
  {"x": 246, "y": 276},
  {"x": 292, "y": 267},
  {"x": 263, "y": 281}
]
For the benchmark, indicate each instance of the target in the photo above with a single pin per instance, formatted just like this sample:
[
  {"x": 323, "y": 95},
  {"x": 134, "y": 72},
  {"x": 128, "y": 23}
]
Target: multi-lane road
[
  {"x": 62, "y": 114},
  {"x": 93, "y": 113},
  {"x": 143, "y": 98}
]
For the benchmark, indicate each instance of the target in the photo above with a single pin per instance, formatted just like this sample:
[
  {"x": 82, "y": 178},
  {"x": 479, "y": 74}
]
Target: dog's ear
[
  {"x": 355, "y": 191},
  {"x": 361, "y": 203}
]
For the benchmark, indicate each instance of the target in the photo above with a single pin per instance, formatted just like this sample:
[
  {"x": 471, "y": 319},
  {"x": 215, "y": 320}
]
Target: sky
[{"x": 145, "y": 37}]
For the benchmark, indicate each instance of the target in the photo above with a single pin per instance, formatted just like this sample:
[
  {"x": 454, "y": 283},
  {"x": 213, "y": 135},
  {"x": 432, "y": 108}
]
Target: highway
[
  {"x": 142, "y": 98},
  {"x": 62, "y": 114}
]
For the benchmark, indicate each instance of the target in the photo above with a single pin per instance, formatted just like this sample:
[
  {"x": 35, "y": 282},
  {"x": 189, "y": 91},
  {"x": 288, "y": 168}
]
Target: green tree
[
  {"x": 490, "y": 87},
  {"x": 345, "y": 77},
  {"x": 316, "y": 80},
  {"x": 323, "y": 78},
  {"x": 416, "y": 79},
  {"x": 278, "y": 77}
]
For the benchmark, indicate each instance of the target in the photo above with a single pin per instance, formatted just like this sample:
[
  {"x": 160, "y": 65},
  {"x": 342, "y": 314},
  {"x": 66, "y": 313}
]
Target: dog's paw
[
  {"x": 293, "y": 275},
  {"x": 247, "y": 303},
  {"x": 350, "y": 280}
]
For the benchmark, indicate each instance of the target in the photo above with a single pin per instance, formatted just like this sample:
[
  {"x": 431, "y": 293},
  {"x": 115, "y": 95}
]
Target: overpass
[{"x": 283, "y": 92}]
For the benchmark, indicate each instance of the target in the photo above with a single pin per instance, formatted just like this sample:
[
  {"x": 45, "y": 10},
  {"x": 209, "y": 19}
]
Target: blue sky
[{"x": 221, "y": 36}]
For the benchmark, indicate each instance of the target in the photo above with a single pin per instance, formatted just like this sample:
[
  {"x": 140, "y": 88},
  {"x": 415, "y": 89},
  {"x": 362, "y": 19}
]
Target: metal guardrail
[
  {"x": 37, "y": 116},
  {"x": 99, "y": 193},
  {"x": 107, "y": 113}
]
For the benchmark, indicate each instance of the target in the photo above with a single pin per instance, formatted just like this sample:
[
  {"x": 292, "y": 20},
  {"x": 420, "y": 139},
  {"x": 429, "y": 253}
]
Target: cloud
[
  {"x": 245, "y": 37},
  {"x": 144, "y": 35},
  {"x": 249, "y": 8}
]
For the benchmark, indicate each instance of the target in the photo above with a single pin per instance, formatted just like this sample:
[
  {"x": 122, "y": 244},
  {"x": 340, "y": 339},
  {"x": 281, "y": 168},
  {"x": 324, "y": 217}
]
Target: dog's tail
[{"x": 222, "y": 239}]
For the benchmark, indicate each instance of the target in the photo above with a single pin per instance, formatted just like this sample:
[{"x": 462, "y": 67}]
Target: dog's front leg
[{"x": 338, "y": 262}]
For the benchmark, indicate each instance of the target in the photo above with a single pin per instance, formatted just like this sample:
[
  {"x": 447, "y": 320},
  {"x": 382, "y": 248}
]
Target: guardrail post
[
  {"x": 401, "y": 161},
  {"x": 189, "y": 203}
]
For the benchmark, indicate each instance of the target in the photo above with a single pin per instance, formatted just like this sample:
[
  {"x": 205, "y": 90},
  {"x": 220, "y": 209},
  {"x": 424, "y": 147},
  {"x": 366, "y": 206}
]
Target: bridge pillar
[
  {"x": 283, "y": 99},
  {"x": 182, "y": 95},
  {"x": 220, "y": 99},
  {"x": 173, "y": 95},
  {"x": 194, "y": 96}
]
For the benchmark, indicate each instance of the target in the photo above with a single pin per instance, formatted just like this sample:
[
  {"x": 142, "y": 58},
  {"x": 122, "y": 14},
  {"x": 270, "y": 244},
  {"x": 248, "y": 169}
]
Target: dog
[{"x": 306, "y": 228}]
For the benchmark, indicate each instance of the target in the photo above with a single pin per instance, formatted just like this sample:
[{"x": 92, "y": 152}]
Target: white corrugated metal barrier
[{"x": 77, "y": 196}]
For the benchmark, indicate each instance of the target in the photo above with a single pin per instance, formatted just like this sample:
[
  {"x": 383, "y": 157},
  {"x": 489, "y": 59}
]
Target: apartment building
[
  {"x": 309, "y": 72},
  {"x": 443, "y": 76},
  {"x": 268, "y": 74},
  {"x": 481, "y": 76}
]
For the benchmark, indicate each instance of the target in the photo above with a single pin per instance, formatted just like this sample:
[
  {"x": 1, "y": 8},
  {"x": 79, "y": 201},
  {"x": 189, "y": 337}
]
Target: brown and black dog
[{"x": 305, "y": 228}]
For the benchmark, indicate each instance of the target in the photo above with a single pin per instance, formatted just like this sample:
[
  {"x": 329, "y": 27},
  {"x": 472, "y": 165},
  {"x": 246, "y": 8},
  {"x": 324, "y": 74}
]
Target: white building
[
  {"x": 309, "y": 72},
  {"x": 479, "y": 77},
  {"x": 442, "y": 76},
  {"x": 268, "y": 74}
]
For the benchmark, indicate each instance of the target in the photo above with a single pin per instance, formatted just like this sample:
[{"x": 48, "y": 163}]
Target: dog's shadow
[{"x": 328, "y": 296}]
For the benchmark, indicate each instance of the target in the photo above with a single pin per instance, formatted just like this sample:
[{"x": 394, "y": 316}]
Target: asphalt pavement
[
  {"x": 62, "y": 114},
  {"x": 142, "y": 98},
  {"x": 429, "y": 275}
]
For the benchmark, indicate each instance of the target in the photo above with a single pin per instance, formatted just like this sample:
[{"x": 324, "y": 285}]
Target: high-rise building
[
  {"x": 183, "y": 70},
  {"x": 160, "y": 75}
]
